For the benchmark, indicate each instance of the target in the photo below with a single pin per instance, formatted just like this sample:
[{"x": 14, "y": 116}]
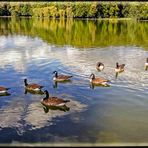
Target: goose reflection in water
[
  {"x": 34, "y": 92},
  {"x": 118, "y": 73},
  {"x": 55, "y": 85},
  {"x": 5, "y": 94},
  {"x": 146, "y": 64},
  {"x": 146, "y": 68},
  {"x": 92, "y": 86},
  {"x": 61, "y": 108}
]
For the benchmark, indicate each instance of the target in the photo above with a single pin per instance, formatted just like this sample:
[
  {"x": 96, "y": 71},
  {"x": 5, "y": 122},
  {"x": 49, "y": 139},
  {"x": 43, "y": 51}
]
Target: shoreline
[
  {"x": 67, "y": 18},
  {"x": 86, "y": 19}
]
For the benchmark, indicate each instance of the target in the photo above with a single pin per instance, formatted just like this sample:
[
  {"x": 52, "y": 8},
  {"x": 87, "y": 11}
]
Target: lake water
[{"x": 34, "y": 48}]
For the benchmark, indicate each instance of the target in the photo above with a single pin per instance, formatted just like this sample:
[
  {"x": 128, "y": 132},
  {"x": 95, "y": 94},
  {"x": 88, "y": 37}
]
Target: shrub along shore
[{"x": 136, "y": 10}]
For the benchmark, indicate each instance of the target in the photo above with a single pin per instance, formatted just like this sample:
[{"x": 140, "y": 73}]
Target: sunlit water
[{"x": 94, "y": 115}]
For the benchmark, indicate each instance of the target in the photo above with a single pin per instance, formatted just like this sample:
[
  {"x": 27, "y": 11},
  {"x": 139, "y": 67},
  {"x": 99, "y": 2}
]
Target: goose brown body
[
  {"x": 60, "y": 78},
  {"x": 53, "y": 101},
  {"x": 32, "y": 86},
  {"x": 99, "y": 66},
  {"x": 98, "y": 81},
  {"x": 3, "y": 89}
]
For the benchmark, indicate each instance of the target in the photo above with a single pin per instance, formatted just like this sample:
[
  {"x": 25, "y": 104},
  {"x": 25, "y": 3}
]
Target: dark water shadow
[
  {"x": 55, "y": 85},
  {"x": 61, "y": 108},
  {"x": 146, "y": 68},
  {"x": 34, "y": 92},
  {"x": 117, "y": 74},
  {"x": 5, "y": 94}
]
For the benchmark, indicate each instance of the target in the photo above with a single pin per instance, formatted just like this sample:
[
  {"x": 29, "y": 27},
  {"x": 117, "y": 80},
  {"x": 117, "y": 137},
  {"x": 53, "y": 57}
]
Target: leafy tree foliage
[{"x": 84, "y": 9}]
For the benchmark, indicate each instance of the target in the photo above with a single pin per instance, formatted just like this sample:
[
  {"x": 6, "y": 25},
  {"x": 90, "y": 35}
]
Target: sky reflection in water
[{"x": 102, "y": 114}]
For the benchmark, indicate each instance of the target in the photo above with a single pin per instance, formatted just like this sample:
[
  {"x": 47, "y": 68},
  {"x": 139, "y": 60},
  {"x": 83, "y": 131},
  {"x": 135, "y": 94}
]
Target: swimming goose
[
  {"x": 98, "y": 81},
  {"x": 53, "y": 101},
  {"x": 99, "y": 66},
  {"x": 32, "y": 86},
  {"x": 119, "y": 68},
  {"x": 60, "y": 78},
  {"x": 3, "y": 89}
]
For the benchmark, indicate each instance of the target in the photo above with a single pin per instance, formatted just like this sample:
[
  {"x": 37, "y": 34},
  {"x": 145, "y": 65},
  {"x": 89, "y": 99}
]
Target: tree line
[{"x": 138, "y": 10}]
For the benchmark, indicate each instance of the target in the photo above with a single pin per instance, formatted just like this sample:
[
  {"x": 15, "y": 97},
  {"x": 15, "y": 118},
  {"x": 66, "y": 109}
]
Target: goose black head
[
  {"x": 56, "y": 73},
  {"x": 25, "y": 81},
  {"x": 47, "y": 95},
  {"x": 117, "y": 65},
  {"x": 92, "y": 76}
]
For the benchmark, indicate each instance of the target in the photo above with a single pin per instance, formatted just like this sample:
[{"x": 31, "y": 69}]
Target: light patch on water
[
  {"x": 33, "y": 115},
  {"x": 38, "y": 119}
]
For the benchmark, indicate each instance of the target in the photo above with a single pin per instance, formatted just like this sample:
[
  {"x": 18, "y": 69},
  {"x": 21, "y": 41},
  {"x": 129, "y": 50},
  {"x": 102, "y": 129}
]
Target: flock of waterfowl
[{"x": 55, "y": 101}]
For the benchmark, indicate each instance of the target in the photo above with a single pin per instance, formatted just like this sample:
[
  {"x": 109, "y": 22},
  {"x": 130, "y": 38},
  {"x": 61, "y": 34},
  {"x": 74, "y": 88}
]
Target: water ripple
[{"x": 38, "y": 60}]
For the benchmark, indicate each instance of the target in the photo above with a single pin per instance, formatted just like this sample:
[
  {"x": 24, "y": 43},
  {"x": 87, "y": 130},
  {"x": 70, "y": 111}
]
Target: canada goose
[
  {"x": 119, "y": 68},
  {"x": 53, "y": 101},
  {"x": 60, "y": 78},
  {"x": 98, "y": 81},
  {"x": 3, "y": 90},
  {"x": 32, "y": 86},
  {"x": 146, "y": 64},
  {"x": 99, "y": 66}
]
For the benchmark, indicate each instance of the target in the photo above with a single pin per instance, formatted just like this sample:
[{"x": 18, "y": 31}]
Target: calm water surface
[{"x": 115, "y": 114}]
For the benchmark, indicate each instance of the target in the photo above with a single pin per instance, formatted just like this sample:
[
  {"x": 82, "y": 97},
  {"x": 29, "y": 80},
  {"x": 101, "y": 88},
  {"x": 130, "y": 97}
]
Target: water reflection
[
  {"x": 146, "y": 68},
  {"x": 5, "y": 94},
  {"x": 22, "y": 116},
  {"x": 78, "y": 33},
  {"x": 37, "y": 118},
  {"x": 11, "y": 115},
  {"x": 40, "y": 92},
  {"x": 92, "y": 86},
  {"x": 90, "y": 114},
  {"x": 79, "y": 63},
  {"x": 61, "y": 108},
  {"x": 117, "y": 74},
  {"x": 56, "y": 84}
]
